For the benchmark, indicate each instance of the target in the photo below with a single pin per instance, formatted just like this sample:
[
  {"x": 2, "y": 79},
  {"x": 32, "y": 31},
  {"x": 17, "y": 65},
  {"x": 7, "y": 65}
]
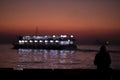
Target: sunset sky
[{"x": 88, "y": 19}]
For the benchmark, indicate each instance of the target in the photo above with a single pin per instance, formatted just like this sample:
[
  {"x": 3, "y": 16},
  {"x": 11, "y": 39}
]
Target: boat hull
[{"x": 38, "y": 46}]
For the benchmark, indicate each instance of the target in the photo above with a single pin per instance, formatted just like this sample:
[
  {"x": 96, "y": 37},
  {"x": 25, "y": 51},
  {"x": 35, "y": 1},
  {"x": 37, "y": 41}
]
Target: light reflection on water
[{"x": 33, "y": 58}]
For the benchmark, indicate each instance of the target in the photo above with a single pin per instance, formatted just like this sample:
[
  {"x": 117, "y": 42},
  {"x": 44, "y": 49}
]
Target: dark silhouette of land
[{"x": 57, "y": 74}]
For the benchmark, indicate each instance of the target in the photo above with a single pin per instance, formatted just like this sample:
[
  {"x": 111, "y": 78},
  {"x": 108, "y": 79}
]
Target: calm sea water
[{"x": 82, "y": 58}]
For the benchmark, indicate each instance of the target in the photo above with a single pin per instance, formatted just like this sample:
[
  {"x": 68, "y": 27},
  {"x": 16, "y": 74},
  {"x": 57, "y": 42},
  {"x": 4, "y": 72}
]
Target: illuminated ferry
[{"x": 46, "y": 42}]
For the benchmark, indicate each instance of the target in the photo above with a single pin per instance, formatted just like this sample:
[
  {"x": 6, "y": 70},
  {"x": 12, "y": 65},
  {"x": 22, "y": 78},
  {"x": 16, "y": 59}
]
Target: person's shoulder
[{"x": 98, "y": 54}]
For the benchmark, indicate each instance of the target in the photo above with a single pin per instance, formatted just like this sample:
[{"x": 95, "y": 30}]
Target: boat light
[
  {"x": 71, "y": 36},
  {"x": 68, "y": 40},
  {"x": 53, "y": 35},
  {"x": 63, "y": 36},
  {"x": 64, "y": 42},
  {"x": 40, "y": 41},
  {"x": 20, "y": 41},
  {"x": 26, "y": 41},
  {"x": 46, "y": 41},
  {"x": 71, "y": 42},
  {"x": 46, "y": 36},
  {"x": 51, "y": 41},
  {"x": 35, "y": 41},
  {"x": 56, "y": 41},
  {"x": 30, "y": 41}
]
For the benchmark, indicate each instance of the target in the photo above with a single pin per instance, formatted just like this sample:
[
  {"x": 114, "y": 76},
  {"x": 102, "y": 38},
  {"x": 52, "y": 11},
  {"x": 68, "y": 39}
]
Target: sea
[{"x": 81, "y": 58}]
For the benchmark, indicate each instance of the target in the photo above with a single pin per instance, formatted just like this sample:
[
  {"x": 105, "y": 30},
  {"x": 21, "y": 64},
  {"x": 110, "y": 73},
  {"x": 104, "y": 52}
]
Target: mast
[{"x": 36, "y": 31}]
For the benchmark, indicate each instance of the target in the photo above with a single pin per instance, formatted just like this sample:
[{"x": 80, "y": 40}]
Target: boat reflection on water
[{"x": 44, "y": 59}]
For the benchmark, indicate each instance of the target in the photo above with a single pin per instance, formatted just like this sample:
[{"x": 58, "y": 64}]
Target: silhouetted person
[{"x": 103, "y": 61}]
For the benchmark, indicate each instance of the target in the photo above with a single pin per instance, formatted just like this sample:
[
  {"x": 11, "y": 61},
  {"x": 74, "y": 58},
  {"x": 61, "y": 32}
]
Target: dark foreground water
[{"x": 82, "y": 58}]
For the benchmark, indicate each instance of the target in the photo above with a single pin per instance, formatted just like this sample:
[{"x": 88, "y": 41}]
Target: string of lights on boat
[{"x": 62, "y": 39}]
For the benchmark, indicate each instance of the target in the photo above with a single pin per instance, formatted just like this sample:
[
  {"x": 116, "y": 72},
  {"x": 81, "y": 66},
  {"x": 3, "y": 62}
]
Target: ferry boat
[{"x": 46, "y": 42}]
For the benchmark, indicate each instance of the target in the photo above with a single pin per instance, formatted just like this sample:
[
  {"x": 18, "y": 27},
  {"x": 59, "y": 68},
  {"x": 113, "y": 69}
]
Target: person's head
[{"x": 102, "y": 48}]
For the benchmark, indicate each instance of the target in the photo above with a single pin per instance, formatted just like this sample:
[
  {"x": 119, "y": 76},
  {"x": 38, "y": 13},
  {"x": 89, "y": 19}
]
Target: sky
[{"x": 87, "y": 19}]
